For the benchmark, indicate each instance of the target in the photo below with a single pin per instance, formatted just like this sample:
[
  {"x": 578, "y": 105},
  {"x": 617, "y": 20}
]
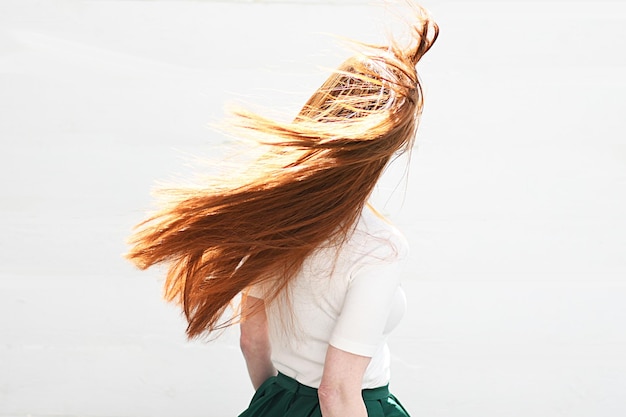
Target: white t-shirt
[{"x": 350, "y": 299}]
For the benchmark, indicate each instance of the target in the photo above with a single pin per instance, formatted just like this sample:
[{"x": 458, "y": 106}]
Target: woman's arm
[
  {"x": 340, "y": 390},
  {"x": 254, "y": 341}
]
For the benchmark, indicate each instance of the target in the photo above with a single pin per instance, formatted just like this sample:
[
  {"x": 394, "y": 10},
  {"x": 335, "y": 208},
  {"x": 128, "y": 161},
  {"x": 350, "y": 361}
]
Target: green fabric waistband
[{"x": 294, "y": 386}]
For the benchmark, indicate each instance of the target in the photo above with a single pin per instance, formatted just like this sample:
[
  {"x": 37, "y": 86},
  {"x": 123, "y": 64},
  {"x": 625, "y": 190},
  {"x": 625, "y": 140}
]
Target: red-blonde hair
[{"x": 307, "y": 190}]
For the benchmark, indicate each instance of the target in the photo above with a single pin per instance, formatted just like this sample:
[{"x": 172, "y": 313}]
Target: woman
[{"x": 295, "y": 235}]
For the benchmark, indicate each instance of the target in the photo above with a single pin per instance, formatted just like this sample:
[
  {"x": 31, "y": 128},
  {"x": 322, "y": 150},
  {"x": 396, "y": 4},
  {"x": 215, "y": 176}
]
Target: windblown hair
[{"x": 308, "y": 190}]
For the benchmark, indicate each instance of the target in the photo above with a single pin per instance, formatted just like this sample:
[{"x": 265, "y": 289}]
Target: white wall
[{"x": 514, "y": 204}]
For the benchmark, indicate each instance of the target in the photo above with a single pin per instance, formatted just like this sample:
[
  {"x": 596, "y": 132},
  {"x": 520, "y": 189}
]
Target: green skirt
[{"x": 281, "y": 396}]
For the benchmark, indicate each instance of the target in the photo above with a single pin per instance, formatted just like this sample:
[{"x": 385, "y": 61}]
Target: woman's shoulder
[{"x": 377, "y": 237}]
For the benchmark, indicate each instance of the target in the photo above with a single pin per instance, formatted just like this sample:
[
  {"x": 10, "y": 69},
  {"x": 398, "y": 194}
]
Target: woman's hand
[{"x": 340, "y": 390}]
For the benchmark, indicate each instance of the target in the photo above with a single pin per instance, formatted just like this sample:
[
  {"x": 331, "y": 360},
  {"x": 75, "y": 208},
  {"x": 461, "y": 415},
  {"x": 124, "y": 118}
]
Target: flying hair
[{"x": 306, "y": 191}]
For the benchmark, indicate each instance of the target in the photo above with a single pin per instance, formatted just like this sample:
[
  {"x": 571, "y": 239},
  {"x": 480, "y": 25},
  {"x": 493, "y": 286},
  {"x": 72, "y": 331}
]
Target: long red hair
[{"x": 308, "y": 189}]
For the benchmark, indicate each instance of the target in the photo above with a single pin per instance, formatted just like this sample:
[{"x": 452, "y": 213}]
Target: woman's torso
[{"x": 335, "y": 299}]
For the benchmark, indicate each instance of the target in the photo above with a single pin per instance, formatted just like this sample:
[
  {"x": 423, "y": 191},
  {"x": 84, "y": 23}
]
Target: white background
[{"x": 514, "y": 204}]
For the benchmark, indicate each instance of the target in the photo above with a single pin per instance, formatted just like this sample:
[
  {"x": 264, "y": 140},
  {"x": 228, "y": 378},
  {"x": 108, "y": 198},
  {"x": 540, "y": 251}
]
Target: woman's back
[{"x": 348, "y": 297}]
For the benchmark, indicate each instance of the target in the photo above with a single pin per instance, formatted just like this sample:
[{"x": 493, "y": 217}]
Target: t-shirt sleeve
[
  {"x": 258, "y": 290},
  {"x": 361, "y": 324}
]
